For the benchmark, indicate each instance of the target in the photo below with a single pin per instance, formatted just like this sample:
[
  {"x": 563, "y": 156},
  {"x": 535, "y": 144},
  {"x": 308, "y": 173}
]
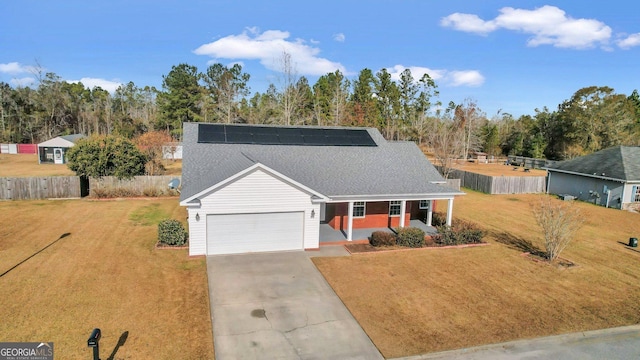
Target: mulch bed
[
  {"x": 558, "y": 262},
  {"x": 368, "y": 248}
]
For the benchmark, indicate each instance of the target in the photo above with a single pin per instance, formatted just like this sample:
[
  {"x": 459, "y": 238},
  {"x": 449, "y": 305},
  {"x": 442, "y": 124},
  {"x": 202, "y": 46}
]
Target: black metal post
[{"x": 94, "y": 342}]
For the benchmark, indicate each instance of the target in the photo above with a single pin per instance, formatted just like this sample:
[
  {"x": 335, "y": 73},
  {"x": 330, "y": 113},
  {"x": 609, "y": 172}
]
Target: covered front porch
[
  {"x": 355, "y": 220},
  {"x": 329, "y": 235}
]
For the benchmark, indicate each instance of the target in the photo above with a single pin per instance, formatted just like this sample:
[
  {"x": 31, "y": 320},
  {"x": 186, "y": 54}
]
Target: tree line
[{"x": 593, "y": 118}]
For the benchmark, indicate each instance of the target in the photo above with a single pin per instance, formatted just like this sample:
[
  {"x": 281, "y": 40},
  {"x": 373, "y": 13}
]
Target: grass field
[
  {"x": 497, "y": 169},
  {"x": 101, "y": 269},
  {"x": 430, "y": 300},
  {"x": 24, "y": 165}
]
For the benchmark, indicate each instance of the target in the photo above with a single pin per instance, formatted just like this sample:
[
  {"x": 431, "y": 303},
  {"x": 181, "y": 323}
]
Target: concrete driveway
[{"x": 278, "y": 306}]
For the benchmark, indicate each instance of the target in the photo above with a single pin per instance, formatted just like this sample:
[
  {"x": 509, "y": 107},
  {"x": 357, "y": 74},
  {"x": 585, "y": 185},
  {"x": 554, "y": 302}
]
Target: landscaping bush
[
  {"x": 410, "y": 237},
  {"x": 118, "y": 192},
  {"x": 439, "y": 219},
  {"x": 382, "y": 238},
  {"x": 460, "y": 232},
  {"x": 171, "y": 233},
  {"x": 152, "y": 192}
]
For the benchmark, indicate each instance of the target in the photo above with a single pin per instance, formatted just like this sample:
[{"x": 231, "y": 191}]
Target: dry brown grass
[
  {"x": 23, "y": 165},
  {"x": 106, "y": 273},
  {"x": 423, "y": 301},
  {"x": 497, "y": 169},
  {"x": 173, "y": 167}
]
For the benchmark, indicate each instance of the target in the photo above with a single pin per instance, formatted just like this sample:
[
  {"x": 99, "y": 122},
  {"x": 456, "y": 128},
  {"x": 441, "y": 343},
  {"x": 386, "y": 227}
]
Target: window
[
  {"x": 424, "y": 204},
  {"x": 635, "y": 195},
  {"x": 394, "y": 208},
  {"x": 358, "y": 209}
]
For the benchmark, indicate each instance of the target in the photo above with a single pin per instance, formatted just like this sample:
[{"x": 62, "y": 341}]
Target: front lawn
[
  {"x": 415, "y": 302},
  {"x": 104, "y": 271}
]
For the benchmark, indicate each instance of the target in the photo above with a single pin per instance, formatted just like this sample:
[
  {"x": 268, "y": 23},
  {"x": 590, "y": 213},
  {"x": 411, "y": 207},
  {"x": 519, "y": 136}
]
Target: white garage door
[{"x": 243, "y": 233}]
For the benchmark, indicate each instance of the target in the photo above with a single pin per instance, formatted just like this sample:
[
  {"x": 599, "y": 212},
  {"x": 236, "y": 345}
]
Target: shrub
[
  {"x": 171, "y": 233},
  {"x": 382, "y": 238},
  {"x": 116, "y": 192},
  {"x": 438, "y": 219},
  {"x": 152, "y": 192},
  {"x": 100, "y": 193},
  {"x": 460, "y": 232},
  {"x": 110, "y": 155},
  {"x": 410, "y": 237}
]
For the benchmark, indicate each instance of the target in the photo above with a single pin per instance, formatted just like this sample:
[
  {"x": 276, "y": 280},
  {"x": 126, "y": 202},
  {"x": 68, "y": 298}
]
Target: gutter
[{"x": 587, "y": 175}]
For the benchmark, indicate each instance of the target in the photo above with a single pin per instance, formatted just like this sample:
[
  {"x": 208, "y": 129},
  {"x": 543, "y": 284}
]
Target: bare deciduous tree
[
  {"x": 559, "y": 222},
  {"x": 446, "y": 139}
]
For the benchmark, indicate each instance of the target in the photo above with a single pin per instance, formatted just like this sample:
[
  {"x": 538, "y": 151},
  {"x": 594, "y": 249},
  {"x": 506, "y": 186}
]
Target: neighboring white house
[
  {"x": 267, "y": 188},
  {"x": 610, "y": 177},
  {"x": 53, "y": 150}
]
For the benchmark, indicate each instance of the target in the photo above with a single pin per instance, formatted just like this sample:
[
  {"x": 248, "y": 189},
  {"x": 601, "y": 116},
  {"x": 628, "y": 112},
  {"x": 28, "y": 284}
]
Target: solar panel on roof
[
  {"x": 210, "y": 134},
  {"x": 315, "y": 140},
  {"x": 265, "y": 135},
  {"x": 266, "y": 139}
]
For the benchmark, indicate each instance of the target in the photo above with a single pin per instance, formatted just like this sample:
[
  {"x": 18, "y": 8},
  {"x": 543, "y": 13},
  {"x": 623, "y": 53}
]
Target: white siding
[
  {"x": 628, "y": 193},
  {"x": 256, "y": 192}
]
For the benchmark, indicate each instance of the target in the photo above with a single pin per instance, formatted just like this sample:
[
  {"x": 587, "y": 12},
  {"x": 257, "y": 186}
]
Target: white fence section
[{"x": 9, "y": 148}]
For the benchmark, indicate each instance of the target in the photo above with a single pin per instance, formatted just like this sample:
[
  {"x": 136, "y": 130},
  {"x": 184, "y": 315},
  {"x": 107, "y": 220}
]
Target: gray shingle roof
[
  {"x": 618, "y": 162},
  {"x": 73, "y": 137},
  {"x": 391, "y": 168}
]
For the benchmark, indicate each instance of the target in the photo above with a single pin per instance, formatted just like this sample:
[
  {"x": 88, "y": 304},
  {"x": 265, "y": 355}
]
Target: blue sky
[{"x": 509, "y": 56}]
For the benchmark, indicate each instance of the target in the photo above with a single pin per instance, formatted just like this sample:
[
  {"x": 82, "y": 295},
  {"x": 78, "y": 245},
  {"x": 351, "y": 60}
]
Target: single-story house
[
  {"x": 52, "y": 151},
  {"x": 609, "y": 177},
  {"x": 260, "y": 188}
]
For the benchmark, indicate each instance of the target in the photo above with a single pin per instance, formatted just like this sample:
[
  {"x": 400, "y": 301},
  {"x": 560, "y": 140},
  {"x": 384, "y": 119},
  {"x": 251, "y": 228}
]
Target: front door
[{"x": 58, "y": 156}]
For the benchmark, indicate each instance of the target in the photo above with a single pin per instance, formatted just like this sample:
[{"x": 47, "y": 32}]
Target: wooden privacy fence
[
  {"x": 109, "y": 186},
  {"x": 500, "y": 184},
  {"x": 31, "y": 188}
]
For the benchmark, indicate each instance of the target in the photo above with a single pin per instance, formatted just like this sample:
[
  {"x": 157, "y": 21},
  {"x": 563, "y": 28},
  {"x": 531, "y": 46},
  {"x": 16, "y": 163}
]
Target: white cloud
[
  {"x": 15, "y": 68},
  {"x": 468, "y": 23},
  {"x": 548, "y": 25},
  {"x": 268, "y": 47},
  {"x": 630, "y": 41},
  {"x": 452, "y": 78},
  {"x": 465, "y": 78},
  {"x": 339, "y": 37},
  {"x": 90, "y": 83}
]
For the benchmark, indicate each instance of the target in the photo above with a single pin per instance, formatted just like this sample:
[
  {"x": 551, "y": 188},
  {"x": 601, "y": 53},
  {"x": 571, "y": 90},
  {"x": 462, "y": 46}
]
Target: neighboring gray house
[
  {"x": 609, "y": 177},
  {"x": 53, "y": 150},
  {"x": 266, "y": 188}
]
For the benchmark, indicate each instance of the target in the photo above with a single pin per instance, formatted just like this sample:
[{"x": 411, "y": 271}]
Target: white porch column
[
  {"x": 430, "y": 213},
  {"x": 449, "y": 211},
  {"x": 403, "y": 209},
  {"x": 350, "y": 222}
]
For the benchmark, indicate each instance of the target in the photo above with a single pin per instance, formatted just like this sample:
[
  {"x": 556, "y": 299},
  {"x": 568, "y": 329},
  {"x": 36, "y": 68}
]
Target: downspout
[
  {"x": 548, "y": 180},
  {"x": 608, "y": 197}
]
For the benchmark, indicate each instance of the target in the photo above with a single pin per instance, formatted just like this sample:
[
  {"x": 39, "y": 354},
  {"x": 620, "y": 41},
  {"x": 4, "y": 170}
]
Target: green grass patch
[{"x": 148, "y": 215}]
